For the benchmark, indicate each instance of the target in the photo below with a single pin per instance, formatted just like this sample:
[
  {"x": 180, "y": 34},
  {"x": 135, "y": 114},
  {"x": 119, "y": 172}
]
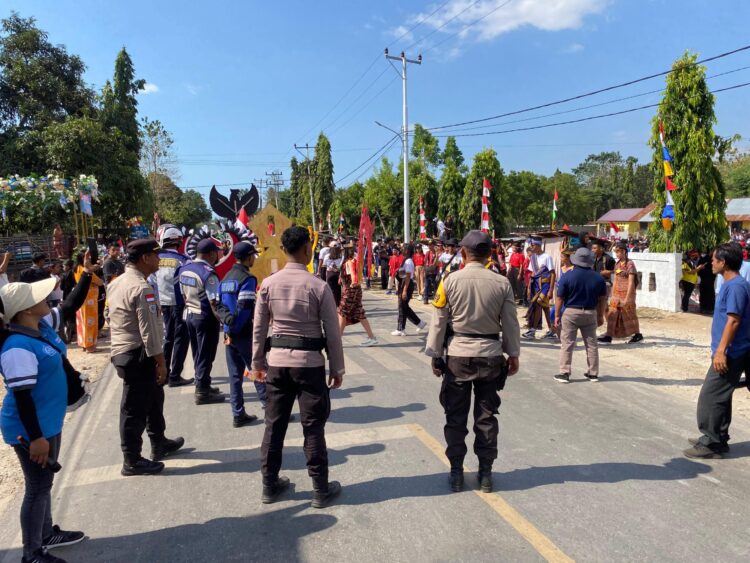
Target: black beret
[
  {"x": 207, "y": 245},
  {"x": 451, "y": 242},
  {"x": 243, "y": 249},
  {"x": 139, "y": 247},
  {"x": 476, "y": 240}
]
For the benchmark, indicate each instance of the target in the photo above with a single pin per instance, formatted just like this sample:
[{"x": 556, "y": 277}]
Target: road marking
[
  {"x": 386, "y": 359},
  {"x": 709, "y": 478},
  {"x": 526, "y": 529}
]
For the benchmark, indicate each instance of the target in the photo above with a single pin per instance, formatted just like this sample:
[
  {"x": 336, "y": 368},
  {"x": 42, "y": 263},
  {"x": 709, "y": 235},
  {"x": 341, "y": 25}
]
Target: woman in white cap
[{"x": 31, "y": 362}]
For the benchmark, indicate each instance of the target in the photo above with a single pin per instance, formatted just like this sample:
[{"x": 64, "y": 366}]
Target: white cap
[
  {"x": 170, "y": 233},
  {"x": 18, "y": 296}
]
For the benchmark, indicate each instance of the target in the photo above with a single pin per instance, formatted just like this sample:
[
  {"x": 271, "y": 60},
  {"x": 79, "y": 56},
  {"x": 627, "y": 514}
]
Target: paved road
[{"x": 588, "y": 472}]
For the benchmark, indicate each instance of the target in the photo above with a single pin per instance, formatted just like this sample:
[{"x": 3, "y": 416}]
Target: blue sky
[{"x": 237, "y": 83}]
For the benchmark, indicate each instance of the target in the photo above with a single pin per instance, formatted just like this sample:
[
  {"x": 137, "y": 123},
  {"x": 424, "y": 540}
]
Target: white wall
[{"x": 667, "y": 268}]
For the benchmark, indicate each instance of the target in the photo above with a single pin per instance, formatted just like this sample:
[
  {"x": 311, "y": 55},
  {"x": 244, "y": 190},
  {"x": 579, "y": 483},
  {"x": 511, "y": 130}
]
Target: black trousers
[
  {"x": 455, "y": 397},
  {"x": 384, "y": 268},
  {"x": 687, "y": 291},
  {"x": 404, "y": 309},
  {"x": 142, "y": 404},
  {"x": 204, "y": 339},
  {"x": 513, "y": 279},
  {"x": 176, "y": 340},
  {"x": 715, "y": 401},
  {"x": 332, "y": 279},
  {"x": 308, "y": 386},
  {"x": 707, "y": 294},
  {"x": 430, "y": 285}
]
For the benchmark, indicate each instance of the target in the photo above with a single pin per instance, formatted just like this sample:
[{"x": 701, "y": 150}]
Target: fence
[
  {"x": 658, "y": 280},
  {"x": 22, "y": 248}
]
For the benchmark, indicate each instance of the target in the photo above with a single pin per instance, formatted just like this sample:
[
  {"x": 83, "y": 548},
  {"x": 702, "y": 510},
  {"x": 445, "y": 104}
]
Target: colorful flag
[
  {"x": 670, "y": 185},
  {"x": 422, "y": 219},
  {"x": 667, "y": 215},
  {"x": 485, "y": 224},
  {"x": 241, "y": 222},
  {"x": 613, "y": 227},
  {"x": 554, "y": 208}
]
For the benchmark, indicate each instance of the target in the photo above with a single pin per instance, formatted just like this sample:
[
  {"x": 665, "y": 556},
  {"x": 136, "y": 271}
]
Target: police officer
[
  {"x": 236, "y": 308},
  {"x": 478, "y": 306},
  {"x": 137, "y": 339},
  {"x": 200, "y": 287},
  {"x": 294, "y": 366},
  {"x": 176, "y": 337}
]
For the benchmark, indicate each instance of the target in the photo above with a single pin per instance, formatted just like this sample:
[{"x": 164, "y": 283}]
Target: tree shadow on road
[
  {"x": 608, "y": 472},
  {"x": 370, "y": 414},
  {"x": 270, "y": 536}
]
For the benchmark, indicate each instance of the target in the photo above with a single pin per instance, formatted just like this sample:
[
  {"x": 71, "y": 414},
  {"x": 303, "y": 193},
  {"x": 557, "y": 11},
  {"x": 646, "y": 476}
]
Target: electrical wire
[
  {"x": 371, "y": 157},
  {"x": 418, "y": 41},
  {"x": 364, "y": 106},
  {"x": 467, "y": 26}
]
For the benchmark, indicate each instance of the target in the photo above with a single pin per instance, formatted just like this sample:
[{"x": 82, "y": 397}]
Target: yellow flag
[{"x": 668, "y": 169}]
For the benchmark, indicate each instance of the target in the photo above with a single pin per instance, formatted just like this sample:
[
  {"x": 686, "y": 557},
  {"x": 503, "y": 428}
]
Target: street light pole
[{"x": 405, "y": 136}]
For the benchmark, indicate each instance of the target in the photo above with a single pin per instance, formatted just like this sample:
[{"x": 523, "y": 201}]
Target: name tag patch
[{"x": 189, "y": 281}]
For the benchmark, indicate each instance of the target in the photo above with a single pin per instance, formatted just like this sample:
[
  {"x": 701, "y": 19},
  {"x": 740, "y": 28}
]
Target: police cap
[
  {"x": 139, "y": 247},
  {"x": 243, "y": 249},
  {"x": 476, "y": 241},
  {"x": 206, "y": 246}
]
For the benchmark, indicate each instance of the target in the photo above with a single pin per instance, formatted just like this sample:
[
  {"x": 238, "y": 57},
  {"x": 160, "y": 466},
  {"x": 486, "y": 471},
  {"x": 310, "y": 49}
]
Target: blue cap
[
  {"x": 535, "y": 240},
  {"x": 207, "y": 245},
  {"x": 243, "y": 249}
]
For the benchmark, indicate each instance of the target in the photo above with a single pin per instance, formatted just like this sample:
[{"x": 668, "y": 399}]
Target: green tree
[
  {"x": 487, "y": 166},
  {"x": 531, "y": 204},
  {"x": 736, "y": 175},
  {"x": 687, "y": 112},
  {"x": 348, "y": 201},
  {"x": 451, "y": 153},
  {"x": 323, "y": 185},
  {"x": 425, "y": 147},
  {"x": 450, "y": 190},
  {"x": 291, "y": 207},
  {"x": 383, "y": 196},
  {"x": 184, "y": 208}
]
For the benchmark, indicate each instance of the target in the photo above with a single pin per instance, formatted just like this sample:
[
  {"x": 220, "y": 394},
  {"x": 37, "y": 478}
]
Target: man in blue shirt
[
  {"x": 582, "y": 293},
  {"x": 730, "y": 351}
]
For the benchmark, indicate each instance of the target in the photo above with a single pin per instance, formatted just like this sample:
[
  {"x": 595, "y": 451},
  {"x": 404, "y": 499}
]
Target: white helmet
[{"x": 169, "y": 234}]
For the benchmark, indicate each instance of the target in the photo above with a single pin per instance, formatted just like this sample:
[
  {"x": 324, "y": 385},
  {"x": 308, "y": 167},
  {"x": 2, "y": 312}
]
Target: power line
[
  {"x": 592, "y": 93},
  {"x": 364, "y": 106},
  {"x": 467, "y": 26},
  {"x": 390, "y": 146},
  {"x": 589, "y": 118},
  {"x": 443, "y": 25},
  {"x": 339, "y": 116},
  {"x": 371, "y": 157}
]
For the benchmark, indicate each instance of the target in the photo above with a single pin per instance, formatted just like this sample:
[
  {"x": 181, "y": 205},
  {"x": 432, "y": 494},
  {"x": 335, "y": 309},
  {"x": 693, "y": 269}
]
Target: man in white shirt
[
  {"x": 440, "y": 227},
  {"x": 542, "y": 285},
  {"x": 451, "y": 258}
]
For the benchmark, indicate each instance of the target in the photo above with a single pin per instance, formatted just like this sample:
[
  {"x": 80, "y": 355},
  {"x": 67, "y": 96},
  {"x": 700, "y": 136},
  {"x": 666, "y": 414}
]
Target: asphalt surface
[{"x": 587, "y": 472}]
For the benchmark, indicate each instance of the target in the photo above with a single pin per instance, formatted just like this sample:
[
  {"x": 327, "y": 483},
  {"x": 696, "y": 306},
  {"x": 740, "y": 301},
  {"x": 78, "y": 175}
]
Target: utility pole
[
  {"x": 309, "y": 179},
  {"x": 276, "y": 182},
  {"x": 260, "y": 186},
  {"x": 405, "y": 134}
]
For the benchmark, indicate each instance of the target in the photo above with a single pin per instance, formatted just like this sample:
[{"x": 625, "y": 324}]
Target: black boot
[
  {"x": 141, "y": 466},
  {"x": 324, "y": 493},
  {"x": 485, "y": 474},
  {"x": 457, "y": 475},
  {"x": 243, "y": 420},
  {"x": 164, "y": 447},
  {"x": 208, "y": 397},
  {"x": 271, "y": 492}
]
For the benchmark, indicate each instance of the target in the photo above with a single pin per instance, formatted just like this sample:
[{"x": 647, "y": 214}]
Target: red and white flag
[
  {"x": 485, "y": 225},
  {"x": 613, "y": 229},
  {"x": 422, "y": 219},
  {"x": 241, "y": 222}
]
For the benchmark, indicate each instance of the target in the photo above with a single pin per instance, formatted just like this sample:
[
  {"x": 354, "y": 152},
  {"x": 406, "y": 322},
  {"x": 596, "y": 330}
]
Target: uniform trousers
[
  {"x": 383, "y": 275},
  {"x": 204, "y": 339},
  {"x": 176, "y": 340},
  {"x": 142, "y": 404},
  {"x": 455, "y": 397},
  {"x": 404, "y": 309},
  {"x": 308, "y": 386},
  {"x": 715, "y": 401},
  {"x": 239, "y": 355},
  {"x": 574, "y": 320},
  {"x": 514, "y": 282}
]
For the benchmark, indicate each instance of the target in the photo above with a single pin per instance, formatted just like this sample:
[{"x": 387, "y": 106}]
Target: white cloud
[
  {"x": 546, "y": 15},
  {"x": 573, "y": 48},
  {"x": 149, "y": 88},
  {"x": 192, "y": 88}
]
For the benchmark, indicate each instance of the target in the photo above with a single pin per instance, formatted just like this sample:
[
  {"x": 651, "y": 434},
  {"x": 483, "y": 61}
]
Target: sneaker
[
  {"x": 243, "y": 420},
  {"x": 699, "y": 451},
  {"x": 180, "y": 382},
  {"x": 529, "y": 335},
  {"x": 142, "y": 467},
  {"x": 591, "y": 378},
  {"x": 562, "y": 378},
  {"x": 398, "y": 333},
  {"x": 638, "y": 337},
  {"x": 389, "y": 292},
  {"x": 721, "y": 448},
  {"x": 322, "y": 498},
  {"x": 42, "y": 556},
  {"x": 271, "y": 492},
  {"x": 209, "y": 398},
  {"x": 61, "y": 538},
  {"x": 166, "y": 447},
  {"x": 421, "y": 326},
  {"x": 606, "y": 339},
  {"x": 550, "y": 334},
  {"x": 369, "y": 342}
]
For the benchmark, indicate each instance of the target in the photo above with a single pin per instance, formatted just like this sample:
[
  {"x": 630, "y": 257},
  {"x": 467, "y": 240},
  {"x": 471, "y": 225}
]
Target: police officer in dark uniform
[
  {"x": 199, "y": 285},
  {"x": 176, "y": 336},
  {"x": 478, "y": 306},
  {"x": 236, "y": 309}
]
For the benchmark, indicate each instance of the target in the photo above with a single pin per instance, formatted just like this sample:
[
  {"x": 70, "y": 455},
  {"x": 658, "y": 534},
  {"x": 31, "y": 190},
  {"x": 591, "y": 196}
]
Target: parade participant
[
  {"x": 541, "y": 285},
  {"x": 322, "y": 255},
  {"x": 479, "y": 306},
  {"x": 579, "y": 305},
  {"x": 112, "y": 266},
  {"x": 199, "y": 286},
  {"x": 431, "y": 267},
  {"x": 440, "y": 227},
  {"x": 394, "y": 264},
  {"x": 603, "y": 262},
  {"x": 383, "y": 255},
  {"x": 38, "y": 270},
  {"x": 302, "y": 312},
  {"x": 419, "y": 259},
  {"x": 730, "y": 351},
  {"x": 565, "y": 266},
  {"x": 57, "y": 241},
  {"x": 33, "y": 411},
  {"x": 706, "y": 283},
  {"x": 236, "y": 308},
  {"x": 55, "y": 272},
  {"x": 351, "y": 310},
  {"x": 622, "y": 320},
  {"x": 526, "y": 272},
  {"x": 333, "y": 270},
  {"x": 450, "y": 227},
  {"x": 137, "y": 339},
  {"x": 405, "y": 292},
  {"x": 690, "y": 269},
  {"x": 496, "y": 261},
  {"x": 87, "y": 317},
  {"x": 166, "y": 279},
  {"x": 515, "y": 275}
]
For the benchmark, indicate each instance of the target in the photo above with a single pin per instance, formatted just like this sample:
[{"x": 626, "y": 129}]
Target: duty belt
[
  {"x": 296, "y": 342},
  {"x": 473, "y": 335}
]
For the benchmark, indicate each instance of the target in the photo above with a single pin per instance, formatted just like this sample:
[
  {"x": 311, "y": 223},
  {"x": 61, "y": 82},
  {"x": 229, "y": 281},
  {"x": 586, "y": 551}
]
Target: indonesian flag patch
[{"x": 150, "y": 298}]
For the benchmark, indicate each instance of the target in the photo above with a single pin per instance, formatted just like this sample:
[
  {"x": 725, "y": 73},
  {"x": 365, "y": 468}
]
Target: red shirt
[
  {"x": 516, "y": 260},
  {"x": 418, "y": 259},
  {"x": 394, "y": 264}
]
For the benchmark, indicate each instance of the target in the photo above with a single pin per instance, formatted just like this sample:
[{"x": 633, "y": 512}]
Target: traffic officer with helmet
[
  {"x": 200, "y": 287},
  {"x": 176, "y": 337},
  {"x": 137, "y": 340},
  {"x": 466, "y": 346},
  {"x": 236, "y": 309}
]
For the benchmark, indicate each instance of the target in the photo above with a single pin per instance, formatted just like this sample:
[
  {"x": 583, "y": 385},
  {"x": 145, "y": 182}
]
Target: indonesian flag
[
  {"x": 485, "y": 225},
  {"x": 422, "y": 219},
  {"x": 613, "y": 228},
  {"x": 554, "y": 208},
  {"x": 328, "y": 218},
  {"x": 241, "y": 221}
]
